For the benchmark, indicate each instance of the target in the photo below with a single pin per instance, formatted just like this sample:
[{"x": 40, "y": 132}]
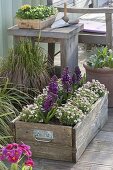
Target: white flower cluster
[
  {"x": 32, "y": 112},
  {"x": 80, "y": 103},
  {"x": 96, "y": 87},
  {"x": 69, "y": 114}
]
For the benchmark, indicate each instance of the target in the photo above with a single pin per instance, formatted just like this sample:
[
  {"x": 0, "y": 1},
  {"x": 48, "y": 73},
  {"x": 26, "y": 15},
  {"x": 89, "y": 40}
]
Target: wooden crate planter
[
  {"x": 35, "y": 23},
  {"x": 63, "y": 142}
]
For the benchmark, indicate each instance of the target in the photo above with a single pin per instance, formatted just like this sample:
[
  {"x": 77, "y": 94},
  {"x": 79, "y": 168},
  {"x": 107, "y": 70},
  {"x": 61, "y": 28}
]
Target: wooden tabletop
[{"x": 65, "y": 32}]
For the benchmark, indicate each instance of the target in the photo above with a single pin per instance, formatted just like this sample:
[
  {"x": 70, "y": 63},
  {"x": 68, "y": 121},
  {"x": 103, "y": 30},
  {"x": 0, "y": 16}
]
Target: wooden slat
[
  {"x": 60, "y": 33},
  {"x": 62, "y": 134},
  {"x": 60, "y": 148},
  {"x": 55, "y": 152},
  {"x": 69, "y": 51},
  {"x": 90, "y": 126},
  {"x": 92, "y": 38},
  {"x": 109, "y": 41},
  {"x": 59, "y": 2},
  {"x": 87, "y": 10}
]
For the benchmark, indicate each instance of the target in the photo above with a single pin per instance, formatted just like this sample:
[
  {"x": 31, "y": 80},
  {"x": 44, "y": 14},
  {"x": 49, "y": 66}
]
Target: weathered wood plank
[
  {"x": 35, "y": 23},
  {"x": 87, "y": 10},
  {"x": 62, "y": 134},
  {"x": 60, "y": 148},
  {"x": 92, "y": 38},
  {"x": 50, "y": 151},
  {"x": 60, "y": 33},
  {"x": 90, "y": 126},
  {"x": 51, "y": 52},
  {"x": 69, "y": 53},
  {"x": 109, "y": 41}
]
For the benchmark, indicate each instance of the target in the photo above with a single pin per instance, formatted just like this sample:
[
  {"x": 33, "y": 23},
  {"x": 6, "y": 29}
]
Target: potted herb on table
[
  {"x": 36, "y": 17},
  {"x": 99, "y": 66}
]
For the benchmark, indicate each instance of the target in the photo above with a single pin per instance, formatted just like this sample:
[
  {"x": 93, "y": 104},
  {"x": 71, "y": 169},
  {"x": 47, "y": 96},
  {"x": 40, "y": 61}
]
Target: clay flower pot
[{"x": 105, "y": 76}]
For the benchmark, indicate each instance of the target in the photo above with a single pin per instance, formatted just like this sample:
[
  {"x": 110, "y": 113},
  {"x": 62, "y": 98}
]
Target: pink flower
[
  {"x": 25, "y": 149},
  {"x": 9, "y": 146},
  {"x": 13, "y": 159},
  {"x": 11, "y": 153},
  {"x": 29, "y": 162}
]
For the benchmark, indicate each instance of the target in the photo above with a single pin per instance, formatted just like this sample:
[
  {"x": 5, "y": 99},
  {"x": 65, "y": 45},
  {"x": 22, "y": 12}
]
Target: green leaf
[{"x": 14, "y": 166}]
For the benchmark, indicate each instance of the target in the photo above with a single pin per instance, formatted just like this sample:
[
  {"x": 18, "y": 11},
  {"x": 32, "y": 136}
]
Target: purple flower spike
[
  {"x": 78, "y": 73},
  {"x": 66, "y": 80},
  {"x": 53, "y": 85},
  {"x": 76, "y": 76},
  {"x": 48, "y": 103}
]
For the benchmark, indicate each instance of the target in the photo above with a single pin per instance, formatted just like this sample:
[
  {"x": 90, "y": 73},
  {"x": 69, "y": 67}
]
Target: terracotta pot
[{"x": 105, "y": 76}]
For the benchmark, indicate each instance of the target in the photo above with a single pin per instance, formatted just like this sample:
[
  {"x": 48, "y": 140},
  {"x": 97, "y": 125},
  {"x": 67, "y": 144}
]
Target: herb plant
[
  {"x": 36, "y": 12},
  {"x": 102, "y": 57}
]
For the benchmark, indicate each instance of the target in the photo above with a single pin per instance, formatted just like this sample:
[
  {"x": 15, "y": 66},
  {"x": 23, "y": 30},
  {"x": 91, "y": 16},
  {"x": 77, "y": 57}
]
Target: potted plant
[
  {"x": 64, "y": 118},
  {"x": 36, "y": 17},
  {"x": 99, "y": 66}
]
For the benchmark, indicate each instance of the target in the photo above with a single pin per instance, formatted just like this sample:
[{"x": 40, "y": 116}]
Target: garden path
[{"x": 97, "y": 156}]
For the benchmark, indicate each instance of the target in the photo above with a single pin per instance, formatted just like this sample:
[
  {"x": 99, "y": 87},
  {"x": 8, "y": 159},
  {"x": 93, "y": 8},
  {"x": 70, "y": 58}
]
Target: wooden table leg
[
  {"x": 69, "y": 53},
  {"x": 51, "y": 52}
]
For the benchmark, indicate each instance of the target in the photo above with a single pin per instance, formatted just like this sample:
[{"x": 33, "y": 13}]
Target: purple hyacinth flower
[
  {"x": 78, "y": 73},
  {"x": 48, "y": 103},
  {"x": 76, "y": 76},
  {"x": 66, "y": 80},
  {"x": 74, "y": 79},
  {"x": 53, "y": 85}
]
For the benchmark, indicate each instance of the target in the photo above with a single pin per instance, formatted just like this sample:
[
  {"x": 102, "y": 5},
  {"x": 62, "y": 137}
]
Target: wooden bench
[
  {"x": 88, "y": 37},
  {"x": 96, "y": 38},
  {"x": 70, "y": 3}
]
